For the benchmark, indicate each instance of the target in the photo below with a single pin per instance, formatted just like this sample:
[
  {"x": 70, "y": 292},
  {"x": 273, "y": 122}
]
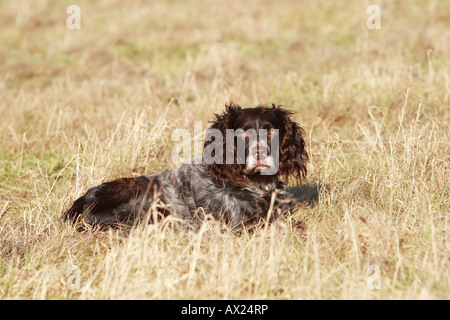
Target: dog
[{"x": 246, "y": 152}]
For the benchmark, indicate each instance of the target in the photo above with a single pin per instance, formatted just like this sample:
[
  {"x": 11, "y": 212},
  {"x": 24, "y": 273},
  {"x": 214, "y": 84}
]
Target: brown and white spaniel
[{"x": 246, "y": 151}]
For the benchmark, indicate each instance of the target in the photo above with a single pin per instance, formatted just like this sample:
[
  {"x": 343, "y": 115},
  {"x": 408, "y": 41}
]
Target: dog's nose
[{"x": 258, "y": 154}]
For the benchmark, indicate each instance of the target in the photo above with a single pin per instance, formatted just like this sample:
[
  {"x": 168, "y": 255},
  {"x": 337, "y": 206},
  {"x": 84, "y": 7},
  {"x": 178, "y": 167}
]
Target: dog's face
[
  {"x": 260, "y": 141},
  {"x": 258, "y": 132}
]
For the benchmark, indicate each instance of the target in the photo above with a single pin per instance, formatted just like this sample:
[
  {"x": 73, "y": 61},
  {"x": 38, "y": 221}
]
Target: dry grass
[{"x": 84, "y": 106}]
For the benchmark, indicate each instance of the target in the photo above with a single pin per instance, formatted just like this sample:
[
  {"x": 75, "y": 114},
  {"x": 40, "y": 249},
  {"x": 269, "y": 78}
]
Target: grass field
[{"x": 80, "y": 107}]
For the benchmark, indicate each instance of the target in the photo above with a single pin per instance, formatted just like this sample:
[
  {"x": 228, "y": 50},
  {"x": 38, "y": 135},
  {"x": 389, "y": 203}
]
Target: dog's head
[{"x": 246, "y": 144}]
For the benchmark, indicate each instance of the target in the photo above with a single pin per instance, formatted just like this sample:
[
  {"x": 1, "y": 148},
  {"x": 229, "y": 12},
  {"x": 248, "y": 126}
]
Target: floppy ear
[
  {"x": 293, "y": 156},
  {"x": 215, "y": 148}
]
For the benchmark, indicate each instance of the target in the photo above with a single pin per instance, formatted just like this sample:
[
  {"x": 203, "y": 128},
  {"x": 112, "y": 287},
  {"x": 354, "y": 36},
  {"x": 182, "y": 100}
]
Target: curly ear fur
[
  {"x": 222, "y": 173},
  {"x": 293, "y": 156}
]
